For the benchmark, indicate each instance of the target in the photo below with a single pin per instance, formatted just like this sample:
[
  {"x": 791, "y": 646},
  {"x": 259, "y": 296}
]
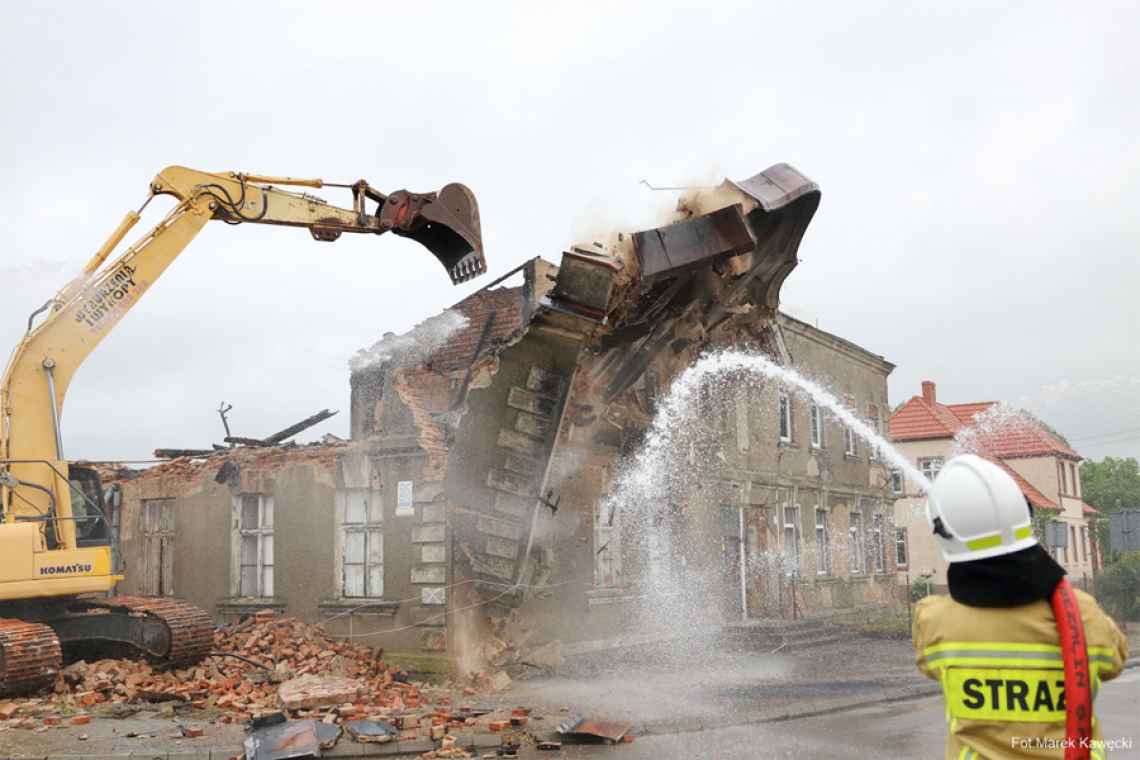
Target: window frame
[
  {"x": 873, "y": 422},
  {"x": 370, "y": 527},
  {"x": 158, "y": 531},
  {"x": 856, "y": 549},
  {"x": 790, "y": 515},
  {"x": 784, "y": 412},
  {"x": 815, "y": 418},
  {"x": 927, "y": 468},
  {"x": 263, "y": 535},
  {"x": 608, "y": 572},
  {"x": 898, "y": 484},
  {"x": 878, "y": 542},
  {"x": 901, "y": 543},
  {"x": 822, "y": 543}
]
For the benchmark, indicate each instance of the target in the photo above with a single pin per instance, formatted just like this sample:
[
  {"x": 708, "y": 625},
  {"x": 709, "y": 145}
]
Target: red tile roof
[
  {"x": 1018, "y": 436},
  {"x": 919, "y": 419},
  {"x": 1022, "y": 436},
  {"x": 1089, "y": 510}
]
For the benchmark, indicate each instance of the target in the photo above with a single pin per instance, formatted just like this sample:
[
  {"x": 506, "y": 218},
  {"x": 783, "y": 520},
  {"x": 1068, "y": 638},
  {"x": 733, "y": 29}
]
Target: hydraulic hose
[{"x": 1078, "y": 681}]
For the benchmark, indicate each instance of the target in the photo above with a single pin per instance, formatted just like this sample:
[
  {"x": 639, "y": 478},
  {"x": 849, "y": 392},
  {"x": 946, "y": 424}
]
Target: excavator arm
[{"x": 35, "y": 491}]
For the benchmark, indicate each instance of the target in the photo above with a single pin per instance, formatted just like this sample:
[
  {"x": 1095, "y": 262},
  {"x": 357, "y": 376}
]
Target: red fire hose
[{"x": 1078, "y": 681}]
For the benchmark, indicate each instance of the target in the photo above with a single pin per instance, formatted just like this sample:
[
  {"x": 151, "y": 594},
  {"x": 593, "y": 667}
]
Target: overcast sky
[{"x": 979, "y": 170}]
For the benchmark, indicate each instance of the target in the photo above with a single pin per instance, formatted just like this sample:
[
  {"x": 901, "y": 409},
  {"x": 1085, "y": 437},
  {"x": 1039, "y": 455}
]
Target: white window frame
[
  {"x": 816, "y": 418},
  {"x": 791, "y": 539},
  {"x": 897, "y": 483},
  {"x": 784, "y": 410},
  {"x": 822, "y": 543},
  {"x": 360, "y": 518},
  {"x": 931, "y": 466},
  {"x": 856, "y": 551},
  {"x": 262, "y": 535},
  {"x": 902, "y": 549},
  {"x": 878, "y": 542},
  {"x": 851, "y": 447}
]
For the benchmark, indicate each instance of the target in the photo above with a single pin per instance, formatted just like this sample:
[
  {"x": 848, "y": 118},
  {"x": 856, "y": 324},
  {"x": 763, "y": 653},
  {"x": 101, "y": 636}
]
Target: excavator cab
[{"x": 92, "y": 522}]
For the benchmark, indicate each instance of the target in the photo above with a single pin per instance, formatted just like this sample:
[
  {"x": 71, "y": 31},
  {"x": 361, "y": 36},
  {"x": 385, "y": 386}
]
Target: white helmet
[{"x": 977, "y": 511}]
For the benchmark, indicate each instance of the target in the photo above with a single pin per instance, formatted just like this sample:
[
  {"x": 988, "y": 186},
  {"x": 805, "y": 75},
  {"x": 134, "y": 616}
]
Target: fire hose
[{"x": 1078, "y": 681}]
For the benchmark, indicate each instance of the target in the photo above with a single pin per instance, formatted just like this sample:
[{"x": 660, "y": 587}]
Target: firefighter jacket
[{"x": 1003, "y": 677}]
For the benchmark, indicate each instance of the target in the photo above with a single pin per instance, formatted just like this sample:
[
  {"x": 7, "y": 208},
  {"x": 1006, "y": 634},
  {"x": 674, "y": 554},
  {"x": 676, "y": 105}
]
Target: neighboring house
[{"x": 928, "y": 432}]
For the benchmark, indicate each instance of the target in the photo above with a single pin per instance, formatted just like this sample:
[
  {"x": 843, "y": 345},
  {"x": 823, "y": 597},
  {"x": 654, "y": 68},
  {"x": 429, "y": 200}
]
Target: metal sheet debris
[
  {"x": 283, "y": 741},
  {"x": 584, "y": 729},
  {"x": 371, "y": 731}
]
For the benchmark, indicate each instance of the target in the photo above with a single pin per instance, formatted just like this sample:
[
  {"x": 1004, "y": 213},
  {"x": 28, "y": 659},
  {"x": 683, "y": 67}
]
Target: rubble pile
[
  {"x": 282, "y": 677},
  {"x": 276, "y": 663}
]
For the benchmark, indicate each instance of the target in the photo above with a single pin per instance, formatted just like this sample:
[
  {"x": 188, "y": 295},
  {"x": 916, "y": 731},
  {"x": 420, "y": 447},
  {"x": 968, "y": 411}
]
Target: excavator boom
[{"x": 55, "y": 535}]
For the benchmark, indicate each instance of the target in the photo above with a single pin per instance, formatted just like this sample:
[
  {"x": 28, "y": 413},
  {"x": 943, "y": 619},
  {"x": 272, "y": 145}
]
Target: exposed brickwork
[
  {"x": 426, "y": 393},
  {"x": 508, "y": 305}
]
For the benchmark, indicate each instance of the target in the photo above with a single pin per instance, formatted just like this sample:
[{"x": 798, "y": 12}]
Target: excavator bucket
[{"x": 448, "y": 226}]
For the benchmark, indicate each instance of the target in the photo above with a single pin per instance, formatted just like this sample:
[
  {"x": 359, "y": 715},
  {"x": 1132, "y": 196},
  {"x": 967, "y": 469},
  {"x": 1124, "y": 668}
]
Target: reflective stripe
[
  {"x": 984, "y": 543},
  {"x": 1007, "y": 657},
  {"x": 967, "y": 754},
  {"x": 987, "y": 646},
  {"x": 1025, "y": 532}
]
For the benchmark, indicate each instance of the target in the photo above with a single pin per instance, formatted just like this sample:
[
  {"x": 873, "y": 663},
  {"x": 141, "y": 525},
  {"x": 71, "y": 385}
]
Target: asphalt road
[{"x": 904, "y": 730}]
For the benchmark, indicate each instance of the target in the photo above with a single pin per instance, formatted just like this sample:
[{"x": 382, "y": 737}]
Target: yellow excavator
[{"x": 55, "y": 539}]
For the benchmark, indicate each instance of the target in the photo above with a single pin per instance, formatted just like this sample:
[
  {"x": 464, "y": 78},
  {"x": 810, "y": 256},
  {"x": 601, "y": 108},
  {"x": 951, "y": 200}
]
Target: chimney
[{"x": 928, "y": 392}]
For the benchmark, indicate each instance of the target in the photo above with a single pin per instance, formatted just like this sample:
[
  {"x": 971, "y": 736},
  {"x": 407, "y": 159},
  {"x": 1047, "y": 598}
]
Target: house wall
[
  {"x": 305, "y": 484},
  {"x": 1043, "y": 474},
  {"x": 924, "y": 556}
]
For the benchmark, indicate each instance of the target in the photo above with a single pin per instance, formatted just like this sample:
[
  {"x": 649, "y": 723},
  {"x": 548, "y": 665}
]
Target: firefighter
[{"x": 993, "y": 644}]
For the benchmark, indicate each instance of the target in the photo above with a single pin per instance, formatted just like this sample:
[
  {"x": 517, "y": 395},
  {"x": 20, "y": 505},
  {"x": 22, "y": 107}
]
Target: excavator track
[
  {"x": 30, "y": 656},
  {"x": 191, "y": 629}
]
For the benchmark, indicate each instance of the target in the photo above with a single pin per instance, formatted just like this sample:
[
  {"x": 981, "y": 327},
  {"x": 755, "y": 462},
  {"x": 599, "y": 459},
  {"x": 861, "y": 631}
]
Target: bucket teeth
[{"x": 30, "y": 656}]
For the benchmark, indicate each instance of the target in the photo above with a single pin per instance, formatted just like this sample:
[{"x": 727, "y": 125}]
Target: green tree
[{"x": 1109, "y": 485}]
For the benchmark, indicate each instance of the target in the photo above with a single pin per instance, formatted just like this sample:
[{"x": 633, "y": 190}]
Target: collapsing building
[{"x": 485, "y": 441}]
